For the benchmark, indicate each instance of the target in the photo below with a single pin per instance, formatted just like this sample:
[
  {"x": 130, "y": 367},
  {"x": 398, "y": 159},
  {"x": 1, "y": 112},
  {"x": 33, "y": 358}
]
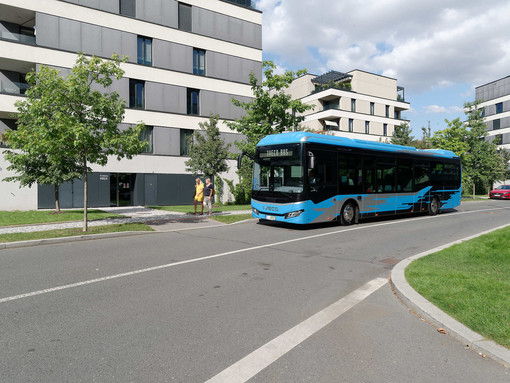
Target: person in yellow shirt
[{"x": 199, "y": 195}]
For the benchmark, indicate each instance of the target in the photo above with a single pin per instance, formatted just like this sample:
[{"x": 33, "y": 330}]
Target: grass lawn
[
  {"x": 471, "y": 282},
  {"x": 190, "y": 208},
  {"x": 231, "y": 218},
  {"x": 10, "y": 218},
  {"x": 73, "y": 232}
]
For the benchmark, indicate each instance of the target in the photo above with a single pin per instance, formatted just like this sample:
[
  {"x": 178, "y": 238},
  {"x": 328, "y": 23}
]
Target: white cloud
[
  {"x": 424, "y": 44},
  {"x": 437, "y": 109}
]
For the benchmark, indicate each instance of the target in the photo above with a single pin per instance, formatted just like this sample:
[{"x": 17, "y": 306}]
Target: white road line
[
  {"x": 130, "y": 273},
  {"x": 259, "y": 359}
]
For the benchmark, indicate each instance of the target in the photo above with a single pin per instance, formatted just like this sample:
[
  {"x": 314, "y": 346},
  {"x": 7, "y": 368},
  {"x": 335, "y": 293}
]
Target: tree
[
  {"x": 207, "y": 151},
  {"x": 271, "y": 111},
  {"x": 84, "y": 121},
  {"x": 32, "y": 159},
  {"x": 424, "y": 143},
  {"x": 402, "y": 135},
  {"x": 482, "y": 163}
]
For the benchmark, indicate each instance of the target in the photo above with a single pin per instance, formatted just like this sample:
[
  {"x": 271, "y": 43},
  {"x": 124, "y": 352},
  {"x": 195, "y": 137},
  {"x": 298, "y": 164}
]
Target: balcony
[
  {"x": 331, "y": 85},
  {"x": 242, "y": 3},
  {"x": 22, "y": 37},
  {"x": 13, "y": 87}
]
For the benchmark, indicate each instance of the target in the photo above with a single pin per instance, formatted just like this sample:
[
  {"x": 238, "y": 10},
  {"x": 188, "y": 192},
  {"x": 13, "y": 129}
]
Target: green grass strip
[
  {"x": 471, "y": 282},
  {"x": 15, "y": 237},
  {"x": 12, "y": 218}
]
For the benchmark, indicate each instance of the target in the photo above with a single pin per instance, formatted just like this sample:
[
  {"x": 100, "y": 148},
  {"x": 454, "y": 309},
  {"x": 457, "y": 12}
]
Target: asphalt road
[{"x": 256, "y": 302}]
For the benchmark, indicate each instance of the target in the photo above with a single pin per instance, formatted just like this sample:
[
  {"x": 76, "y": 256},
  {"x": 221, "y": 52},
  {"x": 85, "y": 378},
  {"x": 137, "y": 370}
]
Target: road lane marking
[
  {"x": 264, "y": 356},
  {"x": 174, "y": 264}
]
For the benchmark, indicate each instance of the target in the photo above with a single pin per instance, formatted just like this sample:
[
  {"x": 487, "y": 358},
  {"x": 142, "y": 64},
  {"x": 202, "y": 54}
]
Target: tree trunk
[
  {"x": 57, "y": 202},
  {"x": 474, "y": 190},
  {"x": 85, "y": 187}
]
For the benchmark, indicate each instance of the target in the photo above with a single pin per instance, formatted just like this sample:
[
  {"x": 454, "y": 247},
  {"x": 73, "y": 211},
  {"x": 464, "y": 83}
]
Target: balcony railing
[
  {"x": 339, "y": 86},
  {"x": 243, "y": 3},
  {"x": 13, "y": 87},
  {"x": 18, "y": 37}
]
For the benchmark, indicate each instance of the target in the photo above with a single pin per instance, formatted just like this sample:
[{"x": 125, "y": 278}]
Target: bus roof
[{"x": 297, "y": 137}]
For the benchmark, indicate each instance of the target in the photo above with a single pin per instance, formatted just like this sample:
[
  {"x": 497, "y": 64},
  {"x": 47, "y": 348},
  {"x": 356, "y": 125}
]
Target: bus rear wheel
[
  {"x": 348, "y": 214},
  {"x": 434, "y": 206}
]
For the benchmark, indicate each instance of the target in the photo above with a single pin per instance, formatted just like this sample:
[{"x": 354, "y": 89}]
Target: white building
[
  {"x": 356, "y": 104},
  {"x": 187, "y": 60}
]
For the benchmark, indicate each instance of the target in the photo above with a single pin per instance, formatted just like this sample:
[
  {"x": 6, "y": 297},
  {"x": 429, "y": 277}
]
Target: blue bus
[{"x": 304, "y": 178}]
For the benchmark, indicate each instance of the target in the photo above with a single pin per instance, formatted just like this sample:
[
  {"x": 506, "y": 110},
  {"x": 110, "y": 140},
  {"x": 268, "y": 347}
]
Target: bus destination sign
[{"x": 276, "y": 153}]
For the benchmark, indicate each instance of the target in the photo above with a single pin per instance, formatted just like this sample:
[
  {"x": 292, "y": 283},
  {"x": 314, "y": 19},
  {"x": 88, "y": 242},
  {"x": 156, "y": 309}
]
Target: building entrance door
[{"x": 121, "y": 189}]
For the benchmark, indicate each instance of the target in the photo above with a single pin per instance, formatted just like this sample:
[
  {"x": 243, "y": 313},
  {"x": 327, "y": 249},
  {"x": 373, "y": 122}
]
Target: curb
[
  {"x": 51, "y": 241},
  {"x": 439, "y": 318}
]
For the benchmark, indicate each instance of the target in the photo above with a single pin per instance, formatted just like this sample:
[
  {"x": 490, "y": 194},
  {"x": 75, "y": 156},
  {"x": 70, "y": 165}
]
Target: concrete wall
[
  {"x": 12, "y": 197},
  {"x": 374, "y": 85}
]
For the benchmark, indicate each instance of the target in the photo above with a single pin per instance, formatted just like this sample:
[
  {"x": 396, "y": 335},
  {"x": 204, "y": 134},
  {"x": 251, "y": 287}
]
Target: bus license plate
[{"x": 270, "y": 217}]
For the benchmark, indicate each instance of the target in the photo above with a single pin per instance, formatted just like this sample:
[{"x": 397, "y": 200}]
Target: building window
[
  {"x": 367, "y": 127},
  {"x": 193, "y": 98},
  {"x": 185, "y": 17},
  {"x": 498, "y": 139},
  {"x": 496, "y": 124},
  {"x": 146, "y": 136},
  {"x": 499, "y": 107},
  {"x": 186, "y": 136},
  {"x": 136, "y": 94},
  {"x": 387, "y": 111},
  {"x": 198, "y": 61},
  {"x": 351, "y": 125},
  {"x": 372, "y": 108},
  {"x": 144, "y": 50},
  {"x": 353, "y": 105},
  {"x": 483, "y": 112},
  {"x": 127, "y": 7},
  {"x": 385, "y": 129}
]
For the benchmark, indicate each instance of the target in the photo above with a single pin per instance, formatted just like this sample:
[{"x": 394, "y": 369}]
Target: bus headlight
[
  {"x": 255, "y": 211},
  {"x": 293, "y": 214}
]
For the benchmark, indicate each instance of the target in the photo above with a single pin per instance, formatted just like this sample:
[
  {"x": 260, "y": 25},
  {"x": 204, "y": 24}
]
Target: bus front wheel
[
  {"x": 434, "y": 206},
  {"x": 348, "y": 214}
]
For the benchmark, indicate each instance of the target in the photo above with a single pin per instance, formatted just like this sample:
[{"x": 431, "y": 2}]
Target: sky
[{"x": 438, "y": 50}]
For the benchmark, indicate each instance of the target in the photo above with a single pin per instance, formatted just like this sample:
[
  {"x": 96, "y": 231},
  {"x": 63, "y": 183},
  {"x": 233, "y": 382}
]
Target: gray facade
[{"x": 204, "y": 21}]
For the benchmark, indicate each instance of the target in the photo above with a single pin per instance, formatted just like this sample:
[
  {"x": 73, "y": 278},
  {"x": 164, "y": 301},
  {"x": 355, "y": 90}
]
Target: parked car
[{"x": 502, "y": 191}]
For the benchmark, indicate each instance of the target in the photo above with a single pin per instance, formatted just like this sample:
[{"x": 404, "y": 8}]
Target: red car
[{"x": 502, "y": 191}]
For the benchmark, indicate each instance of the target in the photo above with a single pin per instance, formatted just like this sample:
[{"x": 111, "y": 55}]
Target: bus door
[
  {"x": 350, "y": 176},
  {"x": 405, "y": 195},
  {"x": 322, "y": 179},
  {"x": 421, "y": 185},
  {"x": 436, "y": 179},
  {"x": 385, "y": 186},
  {"x": 368, "y": 202}
]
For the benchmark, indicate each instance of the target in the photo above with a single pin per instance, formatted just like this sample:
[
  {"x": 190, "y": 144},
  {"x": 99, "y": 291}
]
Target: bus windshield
[{"x": 278, "y": 169}]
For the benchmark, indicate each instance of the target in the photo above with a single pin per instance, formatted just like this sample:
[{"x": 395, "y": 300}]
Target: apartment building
[
  {"x": 494, "y": 98},
  {"x": 355, "y": 104},
  {"x": 187, "y": 60}
]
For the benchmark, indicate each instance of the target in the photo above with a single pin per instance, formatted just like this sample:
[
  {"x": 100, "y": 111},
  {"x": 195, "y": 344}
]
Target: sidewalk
[{"x": 132, "y": 214}]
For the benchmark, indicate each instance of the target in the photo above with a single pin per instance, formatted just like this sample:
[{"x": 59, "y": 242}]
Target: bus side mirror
[
  {"x": 240, "y": 159},
  {"x": 311, "y": 160}
]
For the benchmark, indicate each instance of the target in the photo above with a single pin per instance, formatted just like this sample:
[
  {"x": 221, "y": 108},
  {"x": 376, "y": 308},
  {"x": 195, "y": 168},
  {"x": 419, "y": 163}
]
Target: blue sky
[{"x": 438, "y": 50}]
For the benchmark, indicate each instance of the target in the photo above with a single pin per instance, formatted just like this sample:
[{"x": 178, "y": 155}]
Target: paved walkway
[{"x": 131, "y": 214}]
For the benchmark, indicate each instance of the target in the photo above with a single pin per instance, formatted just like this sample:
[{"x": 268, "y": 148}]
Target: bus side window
[
  {"x": 385, "y": 176},
  {"x": 421, "y": 175},
  {"x": 404, "y": 176},
  {"x": 436, "y": 174}
]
